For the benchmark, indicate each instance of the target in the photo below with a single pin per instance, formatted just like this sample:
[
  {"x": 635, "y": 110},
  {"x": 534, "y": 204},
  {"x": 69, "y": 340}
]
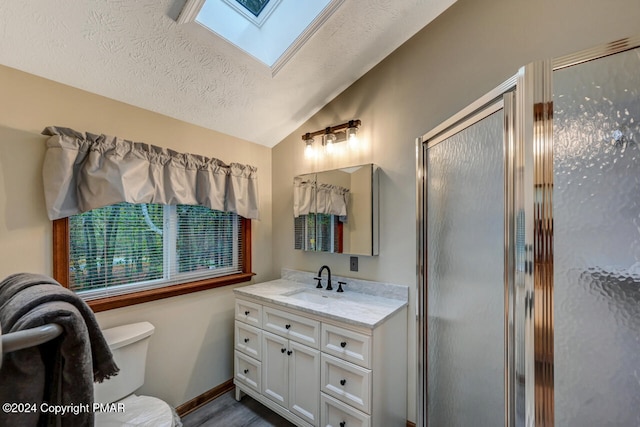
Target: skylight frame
[
  {"x": 259, "y": 20},
  {"x": 193, "y": 8}
]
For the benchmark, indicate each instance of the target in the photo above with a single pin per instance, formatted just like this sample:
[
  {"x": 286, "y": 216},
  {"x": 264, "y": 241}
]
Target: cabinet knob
[
  {"x": 246, "y": 313},
  {"x": 282, "y": 350},
  {"x": 246, "y": 371},
  {"x": 287, "y": 326},
  {"x": 343, "y": 423},
  {"x": 246, "y": 340},
  {"x": 289, "y": 353},
  {"x": 343, "y": 382},
  {"x": 343, "y": 344}
]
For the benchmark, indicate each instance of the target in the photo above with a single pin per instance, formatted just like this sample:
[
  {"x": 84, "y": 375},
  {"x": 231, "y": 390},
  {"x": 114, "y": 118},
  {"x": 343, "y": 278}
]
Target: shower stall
[{"x": 529, "y": 250}]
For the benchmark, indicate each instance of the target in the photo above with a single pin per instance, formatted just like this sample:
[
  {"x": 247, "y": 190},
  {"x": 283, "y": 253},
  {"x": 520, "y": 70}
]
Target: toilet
[{"x": 129, "y": 344}]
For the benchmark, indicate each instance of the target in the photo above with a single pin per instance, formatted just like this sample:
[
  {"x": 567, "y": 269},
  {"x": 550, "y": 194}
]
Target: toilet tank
[{"x": 129, "y": 344}]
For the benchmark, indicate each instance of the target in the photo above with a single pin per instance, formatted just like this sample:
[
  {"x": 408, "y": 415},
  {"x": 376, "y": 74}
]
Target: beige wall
[
  {"x": 470, "y": 49},
  {"x": 192, "y": 348},
  {"x": 473, "y": 47}
]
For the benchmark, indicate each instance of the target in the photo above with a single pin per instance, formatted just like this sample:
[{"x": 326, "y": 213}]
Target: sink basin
[{"x": 312, "y": 296}]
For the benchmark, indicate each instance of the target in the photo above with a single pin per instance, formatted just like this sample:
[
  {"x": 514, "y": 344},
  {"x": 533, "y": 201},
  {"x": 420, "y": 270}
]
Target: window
[
  {"x": 253, "y": 6},
  {"x": 318, "y": 232},
  {"x": 128, "y": 253}
]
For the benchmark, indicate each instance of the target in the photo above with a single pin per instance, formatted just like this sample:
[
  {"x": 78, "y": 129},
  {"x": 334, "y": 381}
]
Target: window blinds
[{"x": 126, "y": 247}]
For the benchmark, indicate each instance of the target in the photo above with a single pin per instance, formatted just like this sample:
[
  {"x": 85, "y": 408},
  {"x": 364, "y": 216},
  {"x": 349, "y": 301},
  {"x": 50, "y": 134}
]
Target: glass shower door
[
  {"x": 465, "y": 275},
  {"x": 596, "y": 212}
]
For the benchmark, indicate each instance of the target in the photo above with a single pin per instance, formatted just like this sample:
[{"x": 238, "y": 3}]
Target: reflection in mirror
[{"x": 337, "y": 211}]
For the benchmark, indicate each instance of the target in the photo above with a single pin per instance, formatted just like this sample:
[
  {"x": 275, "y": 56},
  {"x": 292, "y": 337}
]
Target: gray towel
[{"x": 60, "y": 372}]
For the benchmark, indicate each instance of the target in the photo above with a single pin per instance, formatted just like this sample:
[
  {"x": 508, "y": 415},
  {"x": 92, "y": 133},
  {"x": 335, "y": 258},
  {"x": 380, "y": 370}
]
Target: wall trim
[{"x": 205, "y": 398}]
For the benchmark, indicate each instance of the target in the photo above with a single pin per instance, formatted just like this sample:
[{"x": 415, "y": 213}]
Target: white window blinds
[{"x": 126, "y": 248}]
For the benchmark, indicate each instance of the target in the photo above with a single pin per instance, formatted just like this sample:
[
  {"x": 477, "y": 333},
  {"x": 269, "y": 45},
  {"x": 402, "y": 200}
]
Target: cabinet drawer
[
  {"x": 346, "y": 382},
  {"x": 288, "y": 325},
  {"x": 336, "y": 414},
  {"x": 247, "y": 370},
  {"x": 348, "y": 345},
  {"x": 248, "y": 340},
  {"x": 249, "y": 312}
]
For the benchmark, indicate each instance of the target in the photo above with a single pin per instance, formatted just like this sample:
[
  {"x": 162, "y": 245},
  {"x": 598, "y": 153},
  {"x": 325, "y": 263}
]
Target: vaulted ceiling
[{"x": 134, "y": 51}]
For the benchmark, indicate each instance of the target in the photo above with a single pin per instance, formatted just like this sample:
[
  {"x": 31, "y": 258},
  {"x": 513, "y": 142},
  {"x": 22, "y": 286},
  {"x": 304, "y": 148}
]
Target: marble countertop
[{"x": 297, "y": 290}]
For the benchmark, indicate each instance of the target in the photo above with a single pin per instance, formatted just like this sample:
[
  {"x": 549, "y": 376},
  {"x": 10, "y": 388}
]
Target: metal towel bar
[{"x": 29, "y": 337}]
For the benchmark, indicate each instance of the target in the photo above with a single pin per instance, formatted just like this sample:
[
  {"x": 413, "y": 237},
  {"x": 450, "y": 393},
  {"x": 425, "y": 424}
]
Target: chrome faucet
[{"x": 319, "y": 278}]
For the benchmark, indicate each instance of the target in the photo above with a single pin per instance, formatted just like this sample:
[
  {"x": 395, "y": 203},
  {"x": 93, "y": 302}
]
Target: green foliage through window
[
  {"x": 253, "y": 6},
  {"x": 317, "y": 232},
  {"x": 144, "y": 244}
]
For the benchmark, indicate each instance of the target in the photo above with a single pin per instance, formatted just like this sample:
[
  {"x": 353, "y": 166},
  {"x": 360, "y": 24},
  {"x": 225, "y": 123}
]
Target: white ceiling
[{"x": 133, "y": 51}]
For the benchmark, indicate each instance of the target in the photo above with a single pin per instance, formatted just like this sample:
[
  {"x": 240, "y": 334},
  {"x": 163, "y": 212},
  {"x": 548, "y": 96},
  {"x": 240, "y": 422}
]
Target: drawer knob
[
  {"x": 343, "y": 344},
  {"x": 289, "y": 353},
  {"x": 343, "y": 423},
  {"x": 246, "y": 371},
  {"x": 282, "y": 350},
  {"x": 343, "y": 382},
  {"x": 246, "y": 313},
  {"x": 287, "y": 326},
  {"x": 246, "y": 340}
]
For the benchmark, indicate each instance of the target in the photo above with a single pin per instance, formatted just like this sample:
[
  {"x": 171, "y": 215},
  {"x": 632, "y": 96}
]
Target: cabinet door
[
  {"x": 275, "y": 372},
  {"x": 304, "y": 382}
]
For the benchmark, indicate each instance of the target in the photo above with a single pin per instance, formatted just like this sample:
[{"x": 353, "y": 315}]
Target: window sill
[{"x": 119, "y": 301}]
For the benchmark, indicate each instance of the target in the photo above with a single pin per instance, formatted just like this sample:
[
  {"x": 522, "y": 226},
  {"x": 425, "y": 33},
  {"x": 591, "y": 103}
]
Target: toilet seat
[{"x": 139, "y": 411}]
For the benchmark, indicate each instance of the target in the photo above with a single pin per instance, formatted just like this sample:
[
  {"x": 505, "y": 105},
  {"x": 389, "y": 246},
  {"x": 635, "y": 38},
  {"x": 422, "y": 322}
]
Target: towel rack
[{"x": 29, "y": 337}]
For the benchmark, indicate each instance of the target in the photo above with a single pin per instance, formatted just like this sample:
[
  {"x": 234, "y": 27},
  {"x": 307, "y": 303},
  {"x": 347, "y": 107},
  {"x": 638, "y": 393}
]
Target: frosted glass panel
[
  {"x": 597, "y": 242},
  {"x": 465, "y": 287}
]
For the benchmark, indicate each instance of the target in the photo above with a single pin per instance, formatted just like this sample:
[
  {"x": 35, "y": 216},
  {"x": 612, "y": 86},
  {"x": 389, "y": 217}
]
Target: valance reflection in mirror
[{"x": 337, "y": 211}]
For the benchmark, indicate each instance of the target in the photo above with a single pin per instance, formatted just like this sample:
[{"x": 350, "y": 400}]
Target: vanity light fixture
[
  {"x": 332, "y": 134},
  {"x": 328, "y": 139},
  {"x": 309, "y": 151}
]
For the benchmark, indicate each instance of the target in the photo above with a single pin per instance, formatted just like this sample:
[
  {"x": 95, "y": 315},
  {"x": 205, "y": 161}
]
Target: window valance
[
  {"x": 84, "y": 171},
  {"x": 312, "y": 197}
]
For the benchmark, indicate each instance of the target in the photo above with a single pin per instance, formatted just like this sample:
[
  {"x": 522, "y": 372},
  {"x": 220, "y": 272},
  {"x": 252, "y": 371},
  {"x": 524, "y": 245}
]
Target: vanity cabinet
[{"x": 318, "y": 371}]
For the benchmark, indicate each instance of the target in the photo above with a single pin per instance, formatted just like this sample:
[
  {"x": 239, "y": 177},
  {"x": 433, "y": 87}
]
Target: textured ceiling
[{"x": 133, "y": 51}]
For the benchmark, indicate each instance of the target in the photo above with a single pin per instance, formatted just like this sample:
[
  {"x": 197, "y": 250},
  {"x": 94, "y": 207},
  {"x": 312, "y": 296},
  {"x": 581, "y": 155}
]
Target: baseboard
[
  {"x": 411, "y": 424},
  {"x": 205, "y": 398}
]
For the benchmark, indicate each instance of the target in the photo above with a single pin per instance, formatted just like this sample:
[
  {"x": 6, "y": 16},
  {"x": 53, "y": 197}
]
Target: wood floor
[{"x": 225, "y": 411}]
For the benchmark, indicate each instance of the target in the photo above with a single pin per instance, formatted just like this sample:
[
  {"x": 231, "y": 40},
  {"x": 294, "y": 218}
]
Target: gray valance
[
  {"x": 314, "y": 197},
  {"x": 84, "y": 171}
]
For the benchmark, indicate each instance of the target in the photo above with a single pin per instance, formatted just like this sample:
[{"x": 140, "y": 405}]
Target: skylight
[
  {"x": 269, "y": 30},
  {"x": 254, "y": 6}
]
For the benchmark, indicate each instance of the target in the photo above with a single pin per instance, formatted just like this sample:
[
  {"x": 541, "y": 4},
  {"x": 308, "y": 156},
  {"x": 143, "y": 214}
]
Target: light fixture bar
[{"x": 332, "y": 129}]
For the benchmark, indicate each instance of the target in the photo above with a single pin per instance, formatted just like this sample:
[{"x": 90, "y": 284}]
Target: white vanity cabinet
[{"x": 320, "y": 371}]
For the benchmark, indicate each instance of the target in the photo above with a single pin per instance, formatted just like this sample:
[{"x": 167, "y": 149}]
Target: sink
[{"x": 312, "y": 296}]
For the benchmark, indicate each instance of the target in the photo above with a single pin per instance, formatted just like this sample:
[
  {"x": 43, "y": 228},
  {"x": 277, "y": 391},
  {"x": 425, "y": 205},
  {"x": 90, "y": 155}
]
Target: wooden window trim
[{"x": 61, "y": 246}]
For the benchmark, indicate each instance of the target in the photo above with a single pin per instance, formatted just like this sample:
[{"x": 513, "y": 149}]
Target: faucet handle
[
  {"x": 340, "y": 286},
  {"x": 318, "y": 283}
]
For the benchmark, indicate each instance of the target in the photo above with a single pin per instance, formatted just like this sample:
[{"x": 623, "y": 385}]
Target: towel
[{"x": 60, "y": 372}]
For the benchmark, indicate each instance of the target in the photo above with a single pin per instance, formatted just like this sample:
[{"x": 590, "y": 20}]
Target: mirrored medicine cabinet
[{"x": 336, "y": 211}]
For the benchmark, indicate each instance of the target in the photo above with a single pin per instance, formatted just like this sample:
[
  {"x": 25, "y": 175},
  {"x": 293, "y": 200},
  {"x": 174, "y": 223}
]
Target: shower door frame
[
  {"x": 528, "y": 264},
  {"x": 501, "y": 98}
]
